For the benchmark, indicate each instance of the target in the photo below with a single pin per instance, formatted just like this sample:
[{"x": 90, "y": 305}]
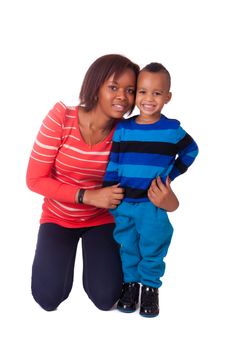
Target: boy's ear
[{"x": 169, "y": 96}]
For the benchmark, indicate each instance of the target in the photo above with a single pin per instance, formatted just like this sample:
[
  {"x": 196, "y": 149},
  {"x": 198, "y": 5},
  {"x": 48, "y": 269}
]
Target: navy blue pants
[{"x": 53, "y": 266}]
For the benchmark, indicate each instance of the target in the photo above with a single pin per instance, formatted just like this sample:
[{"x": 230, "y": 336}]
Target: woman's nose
[{"x": 121, "y": 94}]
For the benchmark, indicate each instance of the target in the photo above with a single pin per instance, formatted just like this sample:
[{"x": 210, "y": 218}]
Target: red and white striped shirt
[{"x": 61, "y": 163}]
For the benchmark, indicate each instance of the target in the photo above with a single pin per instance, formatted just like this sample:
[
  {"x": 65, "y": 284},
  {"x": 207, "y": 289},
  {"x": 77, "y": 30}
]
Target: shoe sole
[
  {"x": 148, "y": 316},
  {"x": 125, "y": 310}
]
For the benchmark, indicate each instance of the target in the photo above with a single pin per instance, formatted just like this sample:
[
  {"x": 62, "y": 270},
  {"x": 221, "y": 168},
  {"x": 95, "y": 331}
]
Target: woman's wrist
[
  {"x": 81, "y": 193},
  {"x": 86, "y": 197},
  {"x": 79, "y": 198}
]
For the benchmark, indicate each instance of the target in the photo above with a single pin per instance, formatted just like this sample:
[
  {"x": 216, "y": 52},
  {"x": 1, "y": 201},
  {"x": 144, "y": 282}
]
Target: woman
[{"x": 66, "y": 166}]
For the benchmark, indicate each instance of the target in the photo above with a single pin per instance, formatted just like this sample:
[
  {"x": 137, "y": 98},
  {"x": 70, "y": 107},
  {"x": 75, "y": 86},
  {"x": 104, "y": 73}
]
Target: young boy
[{"x": 145, "y": 147}]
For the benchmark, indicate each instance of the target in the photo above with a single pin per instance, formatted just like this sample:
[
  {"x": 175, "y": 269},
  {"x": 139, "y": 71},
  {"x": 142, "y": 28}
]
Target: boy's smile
[{"x": 152, "y": 93}]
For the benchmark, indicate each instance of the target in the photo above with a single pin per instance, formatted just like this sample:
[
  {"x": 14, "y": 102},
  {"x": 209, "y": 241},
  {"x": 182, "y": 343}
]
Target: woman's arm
[
  {"x": 107, "y": 197},
  {"x": 162, "y": 195},
  {"x": 40, "y": 167}
]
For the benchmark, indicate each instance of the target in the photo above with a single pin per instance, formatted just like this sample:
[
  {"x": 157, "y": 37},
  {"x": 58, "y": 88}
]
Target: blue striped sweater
[{"x": 142, "y": 152}]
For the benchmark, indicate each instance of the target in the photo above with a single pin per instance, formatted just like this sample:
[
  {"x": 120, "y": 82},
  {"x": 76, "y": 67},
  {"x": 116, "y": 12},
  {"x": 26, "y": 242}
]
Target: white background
[{"x": 46, "y": 48}]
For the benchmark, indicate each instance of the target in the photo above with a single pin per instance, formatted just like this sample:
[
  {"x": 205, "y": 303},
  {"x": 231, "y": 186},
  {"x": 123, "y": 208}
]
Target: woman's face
[{"x": 116, "y": 96}]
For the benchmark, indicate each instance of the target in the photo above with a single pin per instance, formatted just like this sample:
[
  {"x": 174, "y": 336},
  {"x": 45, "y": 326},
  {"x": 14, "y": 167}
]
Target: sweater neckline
[
  {"x": 98, "y": 145},
  {"x": 147, "y": 126}
]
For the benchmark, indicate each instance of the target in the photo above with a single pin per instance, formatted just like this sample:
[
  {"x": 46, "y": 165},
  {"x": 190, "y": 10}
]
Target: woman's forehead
[{"x": 127, "y": 77}]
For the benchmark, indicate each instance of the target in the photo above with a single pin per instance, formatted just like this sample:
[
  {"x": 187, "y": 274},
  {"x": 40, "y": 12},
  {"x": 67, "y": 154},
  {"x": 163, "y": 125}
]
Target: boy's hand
[{"x": 162, "y": 195}]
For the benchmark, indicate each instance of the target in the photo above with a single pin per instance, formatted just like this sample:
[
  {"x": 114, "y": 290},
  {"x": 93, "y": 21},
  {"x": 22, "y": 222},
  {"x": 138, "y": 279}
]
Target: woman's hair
[
  {"x": 99, "y": 72},
  {"x": 155, "y": 67}
]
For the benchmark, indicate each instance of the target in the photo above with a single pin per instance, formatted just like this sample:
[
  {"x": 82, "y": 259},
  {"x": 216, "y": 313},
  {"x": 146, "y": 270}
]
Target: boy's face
[{"x": 152, "y": 93}]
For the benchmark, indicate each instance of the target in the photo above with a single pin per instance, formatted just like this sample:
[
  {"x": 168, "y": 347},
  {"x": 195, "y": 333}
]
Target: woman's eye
[
  {"x": 131, "y": 91},
  {"x": 113, "y": 87}
]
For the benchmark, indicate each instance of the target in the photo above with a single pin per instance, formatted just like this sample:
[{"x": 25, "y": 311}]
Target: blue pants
[{"x": 144, "y": 233}]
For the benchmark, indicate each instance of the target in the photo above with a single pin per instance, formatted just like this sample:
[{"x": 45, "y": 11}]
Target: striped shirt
[
  {"x": 61, "y": 163},
  {"x": 142, "y": 152}
]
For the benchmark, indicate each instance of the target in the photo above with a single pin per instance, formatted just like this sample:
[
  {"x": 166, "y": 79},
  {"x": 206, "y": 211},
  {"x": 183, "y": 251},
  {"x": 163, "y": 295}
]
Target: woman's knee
[
  {"x": 47, "y": 299},
  {"x": 105, "y": 299}
]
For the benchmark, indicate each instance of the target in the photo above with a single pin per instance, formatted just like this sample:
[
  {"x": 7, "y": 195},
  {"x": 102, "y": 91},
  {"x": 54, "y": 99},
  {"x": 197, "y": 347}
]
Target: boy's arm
[
  {"x": 162, "y": 196},
  {"x": 187, "y": 151}
]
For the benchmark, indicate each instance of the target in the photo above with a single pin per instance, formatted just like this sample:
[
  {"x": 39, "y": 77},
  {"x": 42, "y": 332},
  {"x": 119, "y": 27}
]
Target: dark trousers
[{"x": 53, "y": 266}]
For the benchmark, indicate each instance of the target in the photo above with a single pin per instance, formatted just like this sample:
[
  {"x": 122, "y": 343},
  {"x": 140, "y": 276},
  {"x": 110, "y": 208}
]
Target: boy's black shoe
[
  {"x": 149, "y": 302},
  {"x": 129, "y": 297}
]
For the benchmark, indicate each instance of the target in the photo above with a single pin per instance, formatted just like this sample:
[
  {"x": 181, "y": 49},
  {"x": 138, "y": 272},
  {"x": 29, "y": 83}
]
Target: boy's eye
[
  {"x": 156, "y": 93},
  {"x": 141, "y": 92}
]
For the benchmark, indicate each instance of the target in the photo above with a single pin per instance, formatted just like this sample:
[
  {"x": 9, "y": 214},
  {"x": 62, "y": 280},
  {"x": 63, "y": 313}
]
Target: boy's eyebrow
[{"x": 142, "y": 88}]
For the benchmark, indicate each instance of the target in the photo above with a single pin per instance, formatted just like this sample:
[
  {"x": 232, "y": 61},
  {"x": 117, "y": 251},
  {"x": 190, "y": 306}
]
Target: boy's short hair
[{"x": 155, "y": 67}]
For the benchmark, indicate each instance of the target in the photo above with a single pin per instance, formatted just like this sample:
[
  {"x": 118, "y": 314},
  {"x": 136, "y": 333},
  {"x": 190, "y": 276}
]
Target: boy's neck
[{"x": 145, "y": 119}]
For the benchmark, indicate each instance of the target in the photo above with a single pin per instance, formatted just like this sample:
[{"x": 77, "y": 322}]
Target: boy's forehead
[
  {"x": 152, "y": 78},
  {"x": 150, "y": 75}
]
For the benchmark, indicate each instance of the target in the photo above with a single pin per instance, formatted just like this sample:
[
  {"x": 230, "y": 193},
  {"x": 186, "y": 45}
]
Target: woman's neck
[
  {"x": 93, "y": 127},
  {"x": 98, "y": 122}
]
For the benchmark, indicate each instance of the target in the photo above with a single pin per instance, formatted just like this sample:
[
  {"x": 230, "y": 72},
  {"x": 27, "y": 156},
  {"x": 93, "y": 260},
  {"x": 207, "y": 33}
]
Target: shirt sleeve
[
  {"x": 187, "y": 151},
  {"x": 111, "y": 175},
  {"x": 43, "y": 155}
]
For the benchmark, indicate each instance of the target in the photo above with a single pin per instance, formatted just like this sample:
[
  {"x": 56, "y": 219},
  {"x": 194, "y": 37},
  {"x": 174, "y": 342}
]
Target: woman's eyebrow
[{"x": 115, "y": 82}]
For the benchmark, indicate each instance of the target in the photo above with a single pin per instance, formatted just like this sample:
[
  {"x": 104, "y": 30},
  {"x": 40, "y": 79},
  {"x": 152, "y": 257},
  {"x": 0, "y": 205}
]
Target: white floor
[{"x": 195, "y": 302}]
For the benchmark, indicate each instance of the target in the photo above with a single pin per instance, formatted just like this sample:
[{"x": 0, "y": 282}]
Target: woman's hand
[
  {"x": 162, "y": 195},
  {"x": 106, "y": 197}
]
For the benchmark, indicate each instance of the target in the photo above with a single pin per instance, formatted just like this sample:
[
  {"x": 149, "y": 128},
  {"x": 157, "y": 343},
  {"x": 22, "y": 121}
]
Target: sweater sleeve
[
  {"x": 187, "y": 151},
  {"x": 40, "y": 167},
  {"x": 111, "y": 175}
]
